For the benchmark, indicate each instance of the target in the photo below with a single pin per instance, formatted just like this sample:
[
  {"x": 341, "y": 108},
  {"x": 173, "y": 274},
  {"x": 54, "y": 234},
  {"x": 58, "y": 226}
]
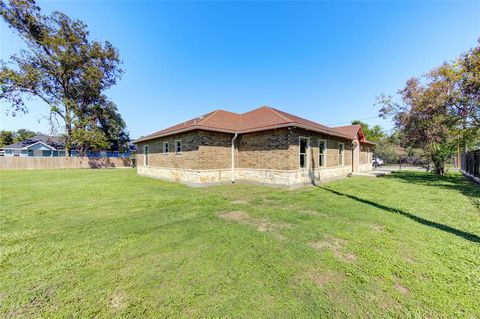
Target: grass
[{"x": 108, "y": 243}]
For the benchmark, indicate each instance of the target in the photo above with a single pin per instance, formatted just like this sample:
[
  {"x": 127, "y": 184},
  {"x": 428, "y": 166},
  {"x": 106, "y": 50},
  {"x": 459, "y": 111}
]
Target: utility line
[{"x": 349, "y": 122}]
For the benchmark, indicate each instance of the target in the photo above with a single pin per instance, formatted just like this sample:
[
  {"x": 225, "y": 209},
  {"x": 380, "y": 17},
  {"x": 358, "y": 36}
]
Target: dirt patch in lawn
[
  {"x": 260, "y": 224},
  {"x": 239, "y": 202},
  {"x": 377, "y": 227},
  {"x": 402, "y": 289},
  {"x": 118, "y": 300},
  {"x": 322, "y": 279},
  {"x": 301, "y": 210},
  {"x": 337, "y": 246}
]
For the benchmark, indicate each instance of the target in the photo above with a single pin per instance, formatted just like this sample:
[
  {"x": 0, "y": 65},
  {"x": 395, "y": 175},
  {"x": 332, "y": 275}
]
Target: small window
[
  {"x": 165, "y": 147},
  {"x": 178, "y": 146},
  {"x": 322, "y": 150},
  {"x": 341, "y": 148},
  {"x": 303, "y": 152},
  {"x": 145, "y": 155}
]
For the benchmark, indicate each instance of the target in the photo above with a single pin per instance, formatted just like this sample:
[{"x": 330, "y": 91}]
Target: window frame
[
  {"x": 342, "y": 154},
  {"x": 146, "y": 152},
  {"x": 176, "y": 151},
  {"x": 324, "y": 153},
  {"x": 307, "y": 157},
  {"x": 165, "y": 150}
]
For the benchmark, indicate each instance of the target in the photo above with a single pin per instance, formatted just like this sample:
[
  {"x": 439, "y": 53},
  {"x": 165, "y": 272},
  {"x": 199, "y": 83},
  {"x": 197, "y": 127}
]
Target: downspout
[
  {"x": 353, "y": 156},
  {"x": 233, "y": 157}
]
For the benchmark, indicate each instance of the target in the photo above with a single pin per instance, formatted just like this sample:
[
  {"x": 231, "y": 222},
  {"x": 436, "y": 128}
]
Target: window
[
  {"x": 341, "y": 148},
  {"x": 322, "y": 150},
  {"x": 303, "y": 152},
  {"x": 145, "y": 155},
  {"x": 178, "y": 146},
  {"x": 165, "y": 147}
]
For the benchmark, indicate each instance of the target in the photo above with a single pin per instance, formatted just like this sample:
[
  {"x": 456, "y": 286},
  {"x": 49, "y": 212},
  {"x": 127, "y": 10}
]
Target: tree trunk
[
  {"x": 68, "y": 139},
  {"x": 439, "y": 163}
]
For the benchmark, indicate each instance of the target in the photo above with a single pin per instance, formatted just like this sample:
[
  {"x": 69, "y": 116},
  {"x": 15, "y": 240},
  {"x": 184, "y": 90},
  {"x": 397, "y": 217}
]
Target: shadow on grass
[
  {"x": 455, "y": 182},
  {"x": 468, "y": 236}
]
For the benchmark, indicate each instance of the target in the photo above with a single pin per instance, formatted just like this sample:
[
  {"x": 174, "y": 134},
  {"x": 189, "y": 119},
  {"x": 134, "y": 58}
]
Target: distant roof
[
  {"x": 354, "y": 131},
  {"x": 58, "y": 142},
  {"x": 263, "y": 118}
]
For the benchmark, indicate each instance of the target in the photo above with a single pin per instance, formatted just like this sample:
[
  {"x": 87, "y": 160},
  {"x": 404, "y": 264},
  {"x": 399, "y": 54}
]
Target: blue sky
[{"x": 325, "y": 61}]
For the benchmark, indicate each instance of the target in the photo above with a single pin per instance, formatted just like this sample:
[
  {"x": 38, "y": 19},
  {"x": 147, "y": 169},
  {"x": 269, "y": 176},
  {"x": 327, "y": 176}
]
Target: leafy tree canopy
[
  {"x": 10, "y": 137},
  {"x": 6, "y": 138},
  {"x": 23, "y": 134},
  {"x": 67, "y": 71},
  {"x": 440, "y": 112}
]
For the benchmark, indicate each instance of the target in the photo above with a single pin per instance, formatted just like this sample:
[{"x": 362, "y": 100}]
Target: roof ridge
[
  {"x": 277, "y": 112},
  {"x": 346, "y": 125},
  {"x": 209, "y": 115}
]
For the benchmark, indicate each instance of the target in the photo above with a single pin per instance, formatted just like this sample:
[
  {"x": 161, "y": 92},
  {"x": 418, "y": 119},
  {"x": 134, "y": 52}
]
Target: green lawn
[{"x": 108, "y": 243}]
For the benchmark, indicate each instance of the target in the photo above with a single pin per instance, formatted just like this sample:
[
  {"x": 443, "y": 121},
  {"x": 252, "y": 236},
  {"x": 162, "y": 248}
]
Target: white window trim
[
  {"x": 324, "y": 153},
  {"x": 163, "y": 148},
  {"x": 308, "y": 153},
  {"x": 343, "y": 154},
  {"x": 176, "y": 152},
  {"x": 145, "y": 147}
]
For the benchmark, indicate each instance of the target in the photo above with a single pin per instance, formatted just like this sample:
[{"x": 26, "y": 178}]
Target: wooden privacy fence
[
  {"x": 19, "y": 163},
  {"x": 470, "y": 163}
]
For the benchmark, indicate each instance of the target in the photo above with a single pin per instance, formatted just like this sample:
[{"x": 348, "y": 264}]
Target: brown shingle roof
[
  {"x": 350, "y": 130},
  {"x": 259, "y": 119},
  {"x": 353, "y": 131}
]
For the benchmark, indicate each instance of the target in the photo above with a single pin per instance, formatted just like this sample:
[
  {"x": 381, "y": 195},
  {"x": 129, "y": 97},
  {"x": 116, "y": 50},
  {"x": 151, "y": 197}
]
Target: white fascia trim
[{"x": 39, "y": 142}]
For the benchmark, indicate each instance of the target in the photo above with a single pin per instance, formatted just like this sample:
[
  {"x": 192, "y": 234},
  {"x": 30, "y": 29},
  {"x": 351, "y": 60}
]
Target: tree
[
  {"x": 439, "y": 112},
  {"x": 6, "y": 138},
  {"x": 394, "y": 148},
  {"x": 23, "y": 134},
  {"x": 67, "y": 71},
  {"x": 371, "y": 134}
]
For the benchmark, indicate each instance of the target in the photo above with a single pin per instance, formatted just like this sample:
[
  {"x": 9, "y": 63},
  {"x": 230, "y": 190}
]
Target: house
[
  {"x": 40, "y": 145},
  {"x": 264, "y": 145}
]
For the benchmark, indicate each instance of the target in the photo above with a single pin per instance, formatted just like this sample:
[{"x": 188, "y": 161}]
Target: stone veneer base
[
  {"x": 289, "y": 178},
  {"x": 365, "y": 167}
]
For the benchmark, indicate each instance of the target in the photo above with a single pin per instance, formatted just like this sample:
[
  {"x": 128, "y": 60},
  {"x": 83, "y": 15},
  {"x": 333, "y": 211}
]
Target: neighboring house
[
  {"x": 40, "y": 145},
  {"x": 264, "y": 145}
]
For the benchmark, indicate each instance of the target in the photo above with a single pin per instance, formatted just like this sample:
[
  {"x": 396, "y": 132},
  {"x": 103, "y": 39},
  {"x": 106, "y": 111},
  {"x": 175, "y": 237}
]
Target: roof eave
[{"x": 187, "y": 129}]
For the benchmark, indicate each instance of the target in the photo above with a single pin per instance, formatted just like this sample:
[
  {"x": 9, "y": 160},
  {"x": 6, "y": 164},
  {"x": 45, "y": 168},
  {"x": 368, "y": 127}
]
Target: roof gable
[
  {"x": 355, "y": 131},
  {"x": 38, "y": 145}
]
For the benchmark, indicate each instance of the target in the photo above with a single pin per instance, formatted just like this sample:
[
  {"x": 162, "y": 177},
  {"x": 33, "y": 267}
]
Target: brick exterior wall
[
  {"x": 365, "y": 154},
  {"x": 265, "y": 150},
  {"x": 215, "y": 150},
  {"x": 332, "y": 151},
  {"x": 200, "y": 150},
  {"x": 272, "y": 149}
]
